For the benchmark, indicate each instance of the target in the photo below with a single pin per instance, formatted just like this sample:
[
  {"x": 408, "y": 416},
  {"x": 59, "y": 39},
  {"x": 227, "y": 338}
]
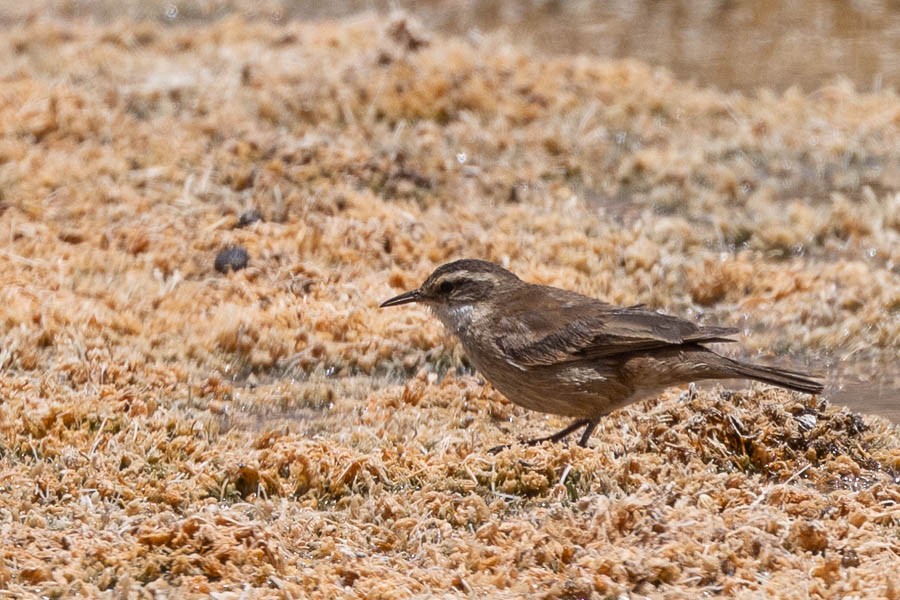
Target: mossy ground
[{"x": 165, "y": 428}]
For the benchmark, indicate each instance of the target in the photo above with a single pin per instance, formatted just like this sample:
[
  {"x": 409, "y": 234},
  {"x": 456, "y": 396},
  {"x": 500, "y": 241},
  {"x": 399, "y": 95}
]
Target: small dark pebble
[
  {"x": 249, "y": 217},
  {"x": 233, "y": 257},
  {"x": 849, "y": 558}
]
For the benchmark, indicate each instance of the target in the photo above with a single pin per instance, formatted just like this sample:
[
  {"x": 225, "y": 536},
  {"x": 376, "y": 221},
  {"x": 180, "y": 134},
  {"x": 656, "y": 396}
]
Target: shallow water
[
  {"x": 732, "y": 44},
  {"x": 867, "y": 386}
]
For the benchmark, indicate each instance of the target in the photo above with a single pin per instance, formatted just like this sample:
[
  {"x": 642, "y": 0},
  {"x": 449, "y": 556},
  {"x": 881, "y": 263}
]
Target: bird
[{"x": 556, "y": 351}]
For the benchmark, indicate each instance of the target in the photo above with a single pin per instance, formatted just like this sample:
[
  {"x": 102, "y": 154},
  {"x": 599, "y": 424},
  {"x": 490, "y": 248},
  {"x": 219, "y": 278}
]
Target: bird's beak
[{"x": 404, "y": 298}]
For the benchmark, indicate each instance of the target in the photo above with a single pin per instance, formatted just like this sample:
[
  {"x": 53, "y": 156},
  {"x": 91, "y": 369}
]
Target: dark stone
[
  {"x": 249, "y": 217},
  {"x": 233, "y": 257}
]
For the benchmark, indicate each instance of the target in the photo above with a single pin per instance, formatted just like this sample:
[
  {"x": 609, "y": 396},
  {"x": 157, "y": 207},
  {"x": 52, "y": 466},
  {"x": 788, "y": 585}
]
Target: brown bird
[{"x": 560, "y": 352}]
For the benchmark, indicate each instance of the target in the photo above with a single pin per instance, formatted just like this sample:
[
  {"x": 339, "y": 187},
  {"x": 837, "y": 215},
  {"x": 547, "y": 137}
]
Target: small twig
[
  {"x": 565, "y": 474},
  {"x": 97, "y": 438}
]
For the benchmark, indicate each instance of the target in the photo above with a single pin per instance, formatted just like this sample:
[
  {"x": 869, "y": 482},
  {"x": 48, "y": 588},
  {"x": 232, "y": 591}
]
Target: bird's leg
[
  {"x": 556, "y": 437},
  {"x": 588, "y": 430},
  {"x": 563, "y": 433}
]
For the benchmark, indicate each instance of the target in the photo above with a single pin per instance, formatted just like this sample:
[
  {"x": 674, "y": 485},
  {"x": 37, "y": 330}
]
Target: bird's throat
[{"x": 457, "y": 318}]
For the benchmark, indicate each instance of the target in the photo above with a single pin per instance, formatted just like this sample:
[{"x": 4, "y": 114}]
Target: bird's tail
[{"x": 792, "y": 380}]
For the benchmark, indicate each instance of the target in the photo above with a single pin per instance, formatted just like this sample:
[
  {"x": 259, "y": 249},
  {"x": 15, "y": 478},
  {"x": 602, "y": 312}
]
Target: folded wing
[{"x": 571, "y": 327}]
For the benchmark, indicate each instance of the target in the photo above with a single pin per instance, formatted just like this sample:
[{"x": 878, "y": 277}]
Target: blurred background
[{"x": 729, "y": 44}]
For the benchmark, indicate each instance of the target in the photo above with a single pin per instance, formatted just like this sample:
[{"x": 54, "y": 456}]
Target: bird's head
[{"x": 461, "y": 283}]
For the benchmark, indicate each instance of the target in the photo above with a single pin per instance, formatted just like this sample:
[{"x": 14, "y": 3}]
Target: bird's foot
[{"x": 588, "y": 425}]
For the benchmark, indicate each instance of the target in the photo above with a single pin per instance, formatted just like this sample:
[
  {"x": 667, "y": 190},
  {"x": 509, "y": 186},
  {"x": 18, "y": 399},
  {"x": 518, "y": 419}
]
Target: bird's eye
[{"x": 446, "y": 287}]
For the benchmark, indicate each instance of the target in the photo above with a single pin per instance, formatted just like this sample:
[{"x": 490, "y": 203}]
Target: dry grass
[{"x": 169, "y": 429}]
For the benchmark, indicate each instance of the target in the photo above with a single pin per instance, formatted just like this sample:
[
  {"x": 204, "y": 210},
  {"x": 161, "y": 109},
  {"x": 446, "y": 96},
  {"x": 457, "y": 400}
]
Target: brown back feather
[{"x": 567, "y": 327}]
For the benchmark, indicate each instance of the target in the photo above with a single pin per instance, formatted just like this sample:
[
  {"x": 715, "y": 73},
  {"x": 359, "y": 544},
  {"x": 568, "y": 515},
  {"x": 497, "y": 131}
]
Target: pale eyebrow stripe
[{"x": 465, "y": 276}]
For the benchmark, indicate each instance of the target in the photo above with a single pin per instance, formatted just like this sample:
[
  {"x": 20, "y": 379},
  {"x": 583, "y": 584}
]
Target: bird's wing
[{"x": 570, "y": 327}]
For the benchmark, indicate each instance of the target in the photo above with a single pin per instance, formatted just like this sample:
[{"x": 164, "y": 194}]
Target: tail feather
[{"x": 792, "y": 380}]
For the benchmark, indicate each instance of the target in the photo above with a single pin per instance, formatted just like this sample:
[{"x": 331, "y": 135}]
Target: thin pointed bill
[{"x": 404, "y": 298}]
